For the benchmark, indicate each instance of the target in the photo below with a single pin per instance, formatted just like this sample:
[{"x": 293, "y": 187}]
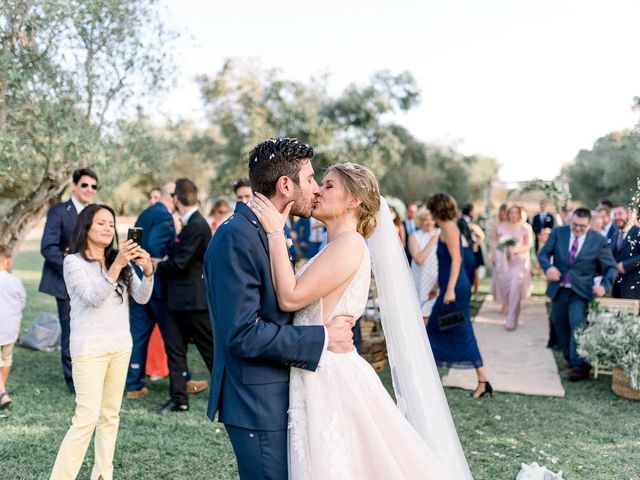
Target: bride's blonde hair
[{"x": 361, "y": 183}]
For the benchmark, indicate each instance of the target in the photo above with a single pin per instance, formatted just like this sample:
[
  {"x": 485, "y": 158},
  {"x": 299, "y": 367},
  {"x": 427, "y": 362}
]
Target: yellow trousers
[{"x": 99, "y": 381}]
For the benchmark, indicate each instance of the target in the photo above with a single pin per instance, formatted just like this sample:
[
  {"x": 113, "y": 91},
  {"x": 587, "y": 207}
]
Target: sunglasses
[{"x": 92, "y": 185}]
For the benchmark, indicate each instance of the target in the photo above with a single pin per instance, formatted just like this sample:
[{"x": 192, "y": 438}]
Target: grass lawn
[{"x": 590, "y": 434}]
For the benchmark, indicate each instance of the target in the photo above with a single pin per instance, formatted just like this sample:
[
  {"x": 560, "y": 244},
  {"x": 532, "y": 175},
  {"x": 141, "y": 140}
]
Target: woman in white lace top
[{"x": 99, "y": 280}]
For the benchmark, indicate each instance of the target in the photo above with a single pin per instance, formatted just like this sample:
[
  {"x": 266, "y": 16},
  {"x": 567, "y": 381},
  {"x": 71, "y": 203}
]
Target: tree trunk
[{"x": 28, "y": 211}]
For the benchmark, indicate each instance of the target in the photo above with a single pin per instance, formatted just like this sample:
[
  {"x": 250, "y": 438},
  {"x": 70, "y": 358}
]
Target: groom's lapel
[{"x": 246, "y": 212}]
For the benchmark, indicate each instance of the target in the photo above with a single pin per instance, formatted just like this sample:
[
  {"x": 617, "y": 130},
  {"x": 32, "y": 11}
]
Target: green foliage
[
  {"x": 609, "y": 170},
  {"x": 247, "y": 104},
  {"x": 556, "y": 190},
  {"x": 612, "y": 339},
  {"x": 64, "y": 65}
]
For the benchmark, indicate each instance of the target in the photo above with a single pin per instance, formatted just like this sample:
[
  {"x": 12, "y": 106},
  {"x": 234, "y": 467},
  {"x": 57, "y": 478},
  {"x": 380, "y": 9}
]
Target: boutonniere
[
  {"x": 289, "y": 243},
  {"x": 177, "y": 239}
]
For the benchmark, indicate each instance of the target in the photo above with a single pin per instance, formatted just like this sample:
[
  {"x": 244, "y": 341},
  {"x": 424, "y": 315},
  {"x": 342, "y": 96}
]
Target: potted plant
[{"x": 612, "y": 339}]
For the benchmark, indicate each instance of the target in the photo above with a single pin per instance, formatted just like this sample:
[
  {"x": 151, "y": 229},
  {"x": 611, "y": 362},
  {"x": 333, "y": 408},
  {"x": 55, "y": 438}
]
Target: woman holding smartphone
[{"x": 99, "y": 280}]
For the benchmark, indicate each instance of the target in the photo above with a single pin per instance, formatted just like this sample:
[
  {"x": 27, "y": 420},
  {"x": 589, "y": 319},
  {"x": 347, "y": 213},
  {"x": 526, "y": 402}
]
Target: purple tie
[
  {"x": 620, "y": 239},
  {"x": 572, "y": 256}
]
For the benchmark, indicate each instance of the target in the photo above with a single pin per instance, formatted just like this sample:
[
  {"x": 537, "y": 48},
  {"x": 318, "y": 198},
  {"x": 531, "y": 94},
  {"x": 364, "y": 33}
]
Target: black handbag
[{"x": 450, "y": 320}]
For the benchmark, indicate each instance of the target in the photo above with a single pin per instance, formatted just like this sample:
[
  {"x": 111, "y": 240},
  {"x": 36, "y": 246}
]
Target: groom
[{"x": 255, "y": 341}]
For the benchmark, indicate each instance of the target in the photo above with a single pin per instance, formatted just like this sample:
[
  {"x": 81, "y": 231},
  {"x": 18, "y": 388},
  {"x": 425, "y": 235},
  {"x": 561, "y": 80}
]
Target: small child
[{"x": 13, "y": 299}]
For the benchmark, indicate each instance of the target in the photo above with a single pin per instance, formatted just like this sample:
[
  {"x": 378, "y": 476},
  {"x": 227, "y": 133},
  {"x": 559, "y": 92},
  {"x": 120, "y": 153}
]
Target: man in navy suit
[
  {"x": 572, "y": 257},
  {"x": 542, "y": 220},
  {"x": 188, "y": 315},
  {"x": 255, "y": 341},
  {"x": 409, "y": 225},
  {"x": 56, "y": 238},
  {"x": 158, "y": 238},
  {"x": 625, "y": 245}
]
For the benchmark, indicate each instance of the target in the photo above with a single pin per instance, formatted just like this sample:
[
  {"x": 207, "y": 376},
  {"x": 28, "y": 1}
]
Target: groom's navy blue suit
[
  {"x": 569, "y": 300},
  {"x": 255, "y": 344}
]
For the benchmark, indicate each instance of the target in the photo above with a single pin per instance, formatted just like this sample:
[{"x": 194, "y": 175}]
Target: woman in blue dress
[{"x": 455, "y": 346}]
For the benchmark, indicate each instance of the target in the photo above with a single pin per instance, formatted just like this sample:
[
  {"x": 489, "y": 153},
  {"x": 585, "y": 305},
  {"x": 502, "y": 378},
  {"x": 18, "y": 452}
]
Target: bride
[{"x": 342, "y": 422}]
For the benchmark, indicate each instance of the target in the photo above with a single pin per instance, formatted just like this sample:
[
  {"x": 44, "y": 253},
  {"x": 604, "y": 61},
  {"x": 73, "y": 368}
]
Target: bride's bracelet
[{"x": 274, "y": 233}]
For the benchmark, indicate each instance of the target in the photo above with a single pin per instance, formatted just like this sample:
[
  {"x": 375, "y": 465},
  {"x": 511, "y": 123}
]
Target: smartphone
[{"x": 135, "y": 234}]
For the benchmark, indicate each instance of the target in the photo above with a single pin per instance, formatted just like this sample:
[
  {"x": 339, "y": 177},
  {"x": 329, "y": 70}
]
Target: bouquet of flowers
[
  {"x": 612, "y": 339},
  {"x": 506, "y": 241}
]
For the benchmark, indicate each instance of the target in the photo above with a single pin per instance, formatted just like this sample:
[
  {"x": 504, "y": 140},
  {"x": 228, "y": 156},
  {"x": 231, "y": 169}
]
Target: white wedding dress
[{"x": 342, "y": 422}]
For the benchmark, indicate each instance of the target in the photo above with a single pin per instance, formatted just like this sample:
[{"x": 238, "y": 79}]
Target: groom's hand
[{"x": 340, "y": 334}]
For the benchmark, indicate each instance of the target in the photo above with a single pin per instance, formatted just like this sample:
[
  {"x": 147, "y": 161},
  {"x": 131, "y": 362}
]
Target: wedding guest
[
  {"x": 422, "y": 246},
  {"x": 218, "y": 214},
  {"x": 597, "y": 224},
  {"x": 565, "y": 216},
  {"x": 469, "y": 241},
  {"x": 608, "y": 229},
  {"x": 154, "y": 195},
  {"x": 453, "y": 345},
  {"x": 188, "y": 314},
  {"x": 514, "y": 264},
  {"x": 497, "y": 226},
  {"x": 242, "y": 190},
  {"x": 302, "y": 228},
  {"x": 543, "y": 219},
  {"x": 157, "y": 365},
  {"x": 13, "y": 298},
  {"x": 61, "y": 220},
  {"x": 316, "y": 237},
  {"x": 398, "y": 225},
  {"x": 158, "y": 238},
  {"x": 625, "y": 246},
  {"x": 571, "y": 259},
  {"x": 410, "y": 226},
  {"x": 99, "y": 280}
]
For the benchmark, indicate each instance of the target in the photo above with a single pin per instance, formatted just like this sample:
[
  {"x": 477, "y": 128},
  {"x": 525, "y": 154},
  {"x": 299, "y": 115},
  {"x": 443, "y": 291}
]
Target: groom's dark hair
[{"x": 275, "y": 158}]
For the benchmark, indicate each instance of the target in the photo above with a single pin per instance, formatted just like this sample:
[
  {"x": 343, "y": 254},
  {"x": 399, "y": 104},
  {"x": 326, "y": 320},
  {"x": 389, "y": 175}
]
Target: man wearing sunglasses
[
  {"x": 61, "y": 220},
  {"x": 572, "y": 257}
]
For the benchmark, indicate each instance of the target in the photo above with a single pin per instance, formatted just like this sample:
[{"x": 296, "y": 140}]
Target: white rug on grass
[{"x": 518, "y": 361}]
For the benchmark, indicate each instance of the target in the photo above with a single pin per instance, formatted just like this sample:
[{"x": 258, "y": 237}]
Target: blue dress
[{"x": 457, "y": 346}]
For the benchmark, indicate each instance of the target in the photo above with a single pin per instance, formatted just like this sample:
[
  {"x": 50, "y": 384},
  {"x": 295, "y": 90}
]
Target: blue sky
[{"x": 528, "y": 83}]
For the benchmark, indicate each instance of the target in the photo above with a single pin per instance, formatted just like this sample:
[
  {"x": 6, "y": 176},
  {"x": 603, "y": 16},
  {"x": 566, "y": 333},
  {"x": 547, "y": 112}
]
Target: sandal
[{"x": 5, "y": 404}]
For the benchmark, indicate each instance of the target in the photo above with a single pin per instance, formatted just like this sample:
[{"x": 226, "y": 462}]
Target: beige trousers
[{"x": 99, "y": 382}]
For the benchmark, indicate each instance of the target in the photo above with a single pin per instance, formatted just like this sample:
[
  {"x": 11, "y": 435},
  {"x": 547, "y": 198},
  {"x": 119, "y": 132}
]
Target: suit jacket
[
  {"x": 610, "y": 233},
  {"x": 538, "y": 225},
  {"x": 183, "y": 271},
  {"x": 158, "y": 238},
  {"x": 409, "y": 229},
  {"x": 594, "y": 257},
  {"x": 255, "y": 342},
  {"x": 56, "y": 238},
  {"x": 628, "y": 284}
]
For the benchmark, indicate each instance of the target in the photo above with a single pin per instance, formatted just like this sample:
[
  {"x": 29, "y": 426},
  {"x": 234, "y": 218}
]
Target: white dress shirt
[{"x": 76, "y": 203}]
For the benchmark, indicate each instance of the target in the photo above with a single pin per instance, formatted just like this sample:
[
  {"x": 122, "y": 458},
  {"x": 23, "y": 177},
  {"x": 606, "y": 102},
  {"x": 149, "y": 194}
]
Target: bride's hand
[{"x": 270, "y": 218}]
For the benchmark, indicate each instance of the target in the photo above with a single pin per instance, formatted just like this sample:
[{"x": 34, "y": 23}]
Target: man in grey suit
[{"x": 572, "y": 257}]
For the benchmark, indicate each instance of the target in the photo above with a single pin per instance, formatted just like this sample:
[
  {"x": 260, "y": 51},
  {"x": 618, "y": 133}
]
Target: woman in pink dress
[
  {"x": 495, "y": 225},
  {"x": 513, "y": 264}
]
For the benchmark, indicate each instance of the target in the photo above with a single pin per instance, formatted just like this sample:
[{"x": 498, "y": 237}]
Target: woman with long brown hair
[{"x": 453, "y": 343}]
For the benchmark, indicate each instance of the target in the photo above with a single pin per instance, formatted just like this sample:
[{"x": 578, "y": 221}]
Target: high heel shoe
[{"x": 487, "y": 389}]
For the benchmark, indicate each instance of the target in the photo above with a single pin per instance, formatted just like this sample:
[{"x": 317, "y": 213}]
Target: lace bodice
[{"x": 352, "y": 303}]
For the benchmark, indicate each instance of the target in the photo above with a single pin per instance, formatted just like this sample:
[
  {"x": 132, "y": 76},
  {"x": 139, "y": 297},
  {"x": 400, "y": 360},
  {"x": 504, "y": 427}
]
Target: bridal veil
[{"x": 416, "y": 382}]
